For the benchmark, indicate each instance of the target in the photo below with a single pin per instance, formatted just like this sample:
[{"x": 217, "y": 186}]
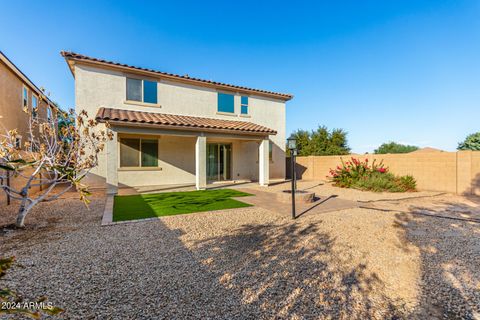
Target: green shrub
[
  {"x": 360, "y": 175},
  {"x": 408, "y": 183}
]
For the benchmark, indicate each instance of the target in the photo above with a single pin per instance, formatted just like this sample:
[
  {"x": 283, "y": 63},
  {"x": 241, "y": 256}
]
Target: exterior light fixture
[{"x": 292, "y": 143}]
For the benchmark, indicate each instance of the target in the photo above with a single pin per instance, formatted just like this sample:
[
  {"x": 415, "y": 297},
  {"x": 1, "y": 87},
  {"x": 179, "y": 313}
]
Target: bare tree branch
[{"x": 58, "y": 152}]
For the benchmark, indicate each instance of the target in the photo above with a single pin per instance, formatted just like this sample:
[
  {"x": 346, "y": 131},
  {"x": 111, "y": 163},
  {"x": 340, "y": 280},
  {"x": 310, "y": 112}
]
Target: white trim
[
  {"x": 263, "y": 163},
  {"x": 230, "y": 114},
  {"x": 144, "y": 104},
  {"x": 24, "y": 90},
  {"x": 49, "y": 112},
  {"x": 247, "y": 105},
  {"x": 201, "y": 163},
  {"x": 34, "y": 96}
]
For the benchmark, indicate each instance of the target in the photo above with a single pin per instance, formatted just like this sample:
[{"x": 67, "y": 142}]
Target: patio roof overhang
[{"x": 118, "y": 117}]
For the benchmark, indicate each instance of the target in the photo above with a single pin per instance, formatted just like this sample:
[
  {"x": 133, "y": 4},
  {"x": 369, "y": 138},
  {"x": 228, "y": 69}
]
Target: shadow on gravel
[
  {"x": 292, "y": 271},
  {"x": 448, "y": 237}
]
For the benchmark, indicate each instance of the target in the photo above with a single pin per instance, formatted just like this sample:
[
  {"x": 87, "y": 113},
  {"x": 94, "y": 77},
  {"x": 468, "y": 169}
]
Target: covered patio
[{"x": 151, "y": 149}]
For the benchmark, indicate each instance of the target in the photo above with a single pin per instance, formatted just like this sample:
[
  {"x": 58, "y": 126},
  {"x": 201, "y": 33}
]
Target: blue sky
[{"x": 407, "y": 71}]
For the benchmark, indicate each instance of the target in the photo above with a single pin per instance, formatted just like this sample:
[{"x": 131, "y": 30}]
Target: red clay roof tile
[
  {"x": 76, "y": 56},
  {"x": 179, "y": 121}
]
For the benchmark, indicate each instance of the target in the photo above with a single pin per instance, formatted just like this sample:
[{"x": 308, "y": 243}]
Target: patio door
[{"x": 219, "y": 157}]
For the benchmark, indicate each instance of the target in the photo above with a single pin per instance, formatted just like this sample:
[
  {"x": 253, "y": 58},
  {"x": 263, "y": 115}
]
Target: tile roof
[
  {"x": 179, "y": 121},
  {"x": 75, "y": 56}
]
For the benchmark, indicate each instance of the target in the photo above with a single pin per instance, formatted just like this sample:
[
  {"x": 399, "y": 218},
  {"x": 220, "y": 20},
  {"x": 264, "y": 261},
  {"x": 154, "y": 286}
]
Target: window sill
[
  {"x": 245, "y": 115},
  {"x": 140, "y": 169},
  {"x": 143, "y": 104},
  {"x": 231, "y": 114}
]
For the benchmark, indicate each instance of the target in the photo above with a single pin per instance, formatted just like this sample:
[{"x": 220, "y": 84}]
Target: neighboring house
[
  {"x": 172, "y": 129},
  {"x": 17, "y": 92}
]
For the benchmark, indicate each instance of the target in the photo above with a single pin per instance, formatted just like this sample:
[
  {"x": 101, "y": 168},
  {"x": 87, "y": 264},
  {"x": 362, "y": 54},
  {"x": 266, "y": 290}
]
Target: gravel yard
[{"x": 394, "y": 259}]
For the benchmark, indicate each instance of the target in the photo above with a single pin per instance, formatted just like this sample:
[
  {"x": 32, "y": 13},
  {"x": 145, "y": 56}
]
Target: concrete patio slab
[{"x": 323, "y": 203}]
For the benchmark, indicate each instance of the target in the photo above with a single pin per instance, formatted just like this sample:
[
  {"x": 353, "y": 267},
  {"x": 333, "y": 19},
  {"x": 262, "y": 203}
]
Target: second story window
[
  {"x": 226, "y": 103},
  {"x": 25, "y": 97},
  {"x": 244, "y": 105},
  {"x": 142, "y": 90},
  {"x": 49, "y": 113},
  {"x": 34, "y": 107}
]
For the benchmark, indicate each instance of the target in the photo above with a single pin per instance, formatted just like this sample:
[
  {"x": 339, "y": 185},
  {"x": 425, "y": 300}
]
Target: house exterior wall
[
  {"x": 12, "y": 115},
  {"x": 11, "y": 102},
  {"x": 176, "y": 163},
  {"x": 100, "y": 87}
]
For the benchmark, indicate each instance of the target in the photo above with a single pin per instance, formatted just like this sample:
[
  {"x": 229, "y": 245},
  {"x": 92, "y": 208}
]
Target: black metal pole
[
  {"x": 294, "y": 168},
  {"x": 293, "y": 183}
]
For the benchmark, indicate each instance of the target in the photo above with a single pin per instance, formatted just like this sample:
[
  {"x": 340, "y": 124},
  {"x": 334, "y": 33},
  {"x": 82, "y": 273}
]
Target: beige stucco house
[{"x": 178, "y": 130}]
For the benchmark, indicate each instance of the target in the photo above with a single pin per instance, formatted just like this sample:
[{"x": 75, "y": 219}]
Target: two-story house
[
  {"x": 18, "y": 92},
  {"x": 178, "y": 130}
]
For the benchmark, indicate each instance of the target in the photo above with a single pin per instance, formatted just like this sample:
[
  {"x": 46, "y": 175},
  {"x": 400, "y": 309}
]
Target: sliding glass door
[{"x": 219, "y": 157}]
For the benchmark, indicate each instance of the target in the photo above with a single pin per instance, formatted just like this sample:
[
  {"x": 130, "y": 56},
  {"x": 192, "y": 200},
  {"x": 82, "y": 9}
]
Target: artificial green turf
[{"x": 171, "y": 203}]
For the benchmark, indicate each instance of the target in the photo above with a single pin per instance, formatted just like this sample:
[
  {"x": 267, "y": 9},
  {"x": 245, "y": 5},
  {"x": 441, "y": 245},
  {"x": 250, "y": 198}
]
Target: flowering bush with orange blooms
[{"x": 375, "y": 177}]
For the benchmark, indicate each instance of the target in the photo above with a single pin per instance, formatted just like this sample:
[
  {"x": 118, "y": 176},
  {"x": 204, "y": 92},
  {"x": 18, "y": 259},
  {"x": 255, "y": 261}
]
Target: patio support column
[
  {"x": 112, "y": 164},
  {"x": 201, "y": 163},
  {"x": 263, "y": 162}
]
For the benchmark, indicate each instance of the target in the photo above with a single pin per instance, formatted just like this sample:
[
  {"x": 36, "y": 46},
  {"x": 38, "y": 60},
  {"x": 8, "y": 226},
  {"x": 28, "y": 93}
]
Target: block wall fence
[
  {"x": 16, "y": 183},
  {"x": 454, "y": 172}
]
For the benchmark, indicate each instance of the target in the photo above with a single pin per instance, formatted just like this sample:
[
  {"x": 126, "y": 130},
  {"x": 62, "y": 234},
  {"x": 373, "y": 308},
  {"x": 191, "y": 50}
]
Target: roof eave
[
  {"x": 72, "y": 60},
  {"x": 25, "y": 78},
  {"x": 71, "y": 65},
  {"x": 182, "y": 128}
]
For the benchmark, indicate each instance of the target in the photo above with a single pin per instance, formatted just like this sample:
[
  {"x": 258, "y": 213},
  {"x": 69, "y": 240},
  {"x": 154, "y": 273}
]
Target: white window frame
[
  {"x": 49, "y": 113},
  {"x": 24, "y": 98},
  {"x": 243, "y": 104},
  {"x": 34, "y": 96}
]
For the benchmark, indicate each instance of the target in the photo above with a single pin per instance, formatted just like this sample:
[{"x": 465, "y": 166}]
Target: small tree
[
  {"x": 321, "y": 142},
  {"x": 393, "y": 147},
  {"x": 303, "y": 142},
  {"x": 53, "y": 158},
  {"x": 471, "y": 142}
]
